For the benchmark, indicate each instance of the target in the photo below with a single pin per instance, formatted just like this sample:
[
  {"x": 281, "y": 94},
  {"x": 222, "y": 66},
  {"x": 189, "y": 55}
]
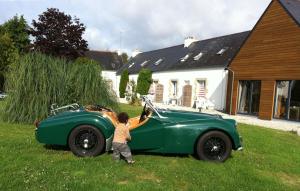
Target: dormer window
[
  {"x": 158, "y": 61},
  {"x": 198, "y": 56},
  {"x": 144, "y": 63},
  {"x": 131, "y": 65},
  {"x": 222, "y": 51},
  {"x": 185, "y": 58}
]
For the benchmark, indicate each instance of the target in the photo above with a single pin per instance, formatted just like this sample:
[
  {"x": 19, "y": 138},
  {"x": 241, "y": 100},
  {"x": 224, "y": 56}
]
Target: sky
[{"x": 146, "y": 25}]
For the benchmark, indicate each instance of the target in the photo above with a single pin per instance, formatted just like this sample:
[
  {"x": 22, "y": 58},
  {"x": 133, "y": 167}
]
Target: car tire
[
  {"x": 214, "y": 146},
  {"x": 86, "y": 141}
]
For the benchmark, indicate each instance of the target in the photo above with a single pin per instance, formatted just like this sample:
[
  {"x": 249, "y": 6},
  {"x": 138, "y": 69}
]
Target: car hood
[{"x": 179, "y": 116}]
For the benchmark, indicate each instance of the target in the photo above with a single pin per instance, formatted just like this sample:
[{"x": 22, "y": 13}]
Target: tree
[
  {"x": 17, "y": 29},
  {"x": 124, "y": 57},
  {"x": 144, "y": 81},
  {"x": 58, "y": 34},
  {"x": 40, "y": 80},
  {"x": 123, "y": 83},
  {"x": 8, "y": 55}
]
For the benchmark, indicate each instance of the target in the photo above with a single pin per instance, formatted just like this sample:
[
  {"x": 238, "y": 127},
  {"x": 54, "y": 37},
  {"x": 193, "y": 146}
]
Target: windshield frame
[{"x": 150, "y": 104}]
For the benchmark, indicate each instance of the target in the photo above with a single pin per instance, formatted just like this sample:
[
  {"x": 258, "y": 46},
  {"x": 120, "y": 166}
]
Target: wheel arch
[{"x": 213, "y": 129}]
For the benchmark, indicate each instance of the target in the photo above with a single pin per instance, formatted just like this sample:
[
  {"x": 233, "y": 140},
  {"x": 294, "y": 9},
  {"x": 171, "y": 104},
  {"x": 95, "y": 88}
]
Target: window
[
  {"x": 174, "y": 87},
  {"x": 198, "y": 56},
  {"x": 222, "y": 51},
  {"x": 185, "y": 58},
  {"x": 144, "y": 63},
  {"x": 287, "y": 100},
  {"x": 131, "y": 65},
  {"x": 158, "y": 61},
  {"x": 249, "y": 97}
]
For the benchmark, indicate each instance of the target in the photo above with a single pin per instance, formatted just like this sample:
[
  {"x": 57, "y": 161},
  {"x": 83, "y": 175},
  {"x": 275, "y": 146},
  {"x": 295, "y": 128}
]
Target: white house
[
  {"x": 110, "y": 62},
  {"x": 189, "y": 74}
]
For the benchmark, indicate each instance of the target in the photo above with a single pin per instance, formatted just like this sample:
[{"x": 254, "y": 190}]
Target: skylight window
[
  {"x": 131, "y": 65},
  {"x": 198, "y": 56},
  {"x": 144, "y": 63},
  {"x": 158, "y": 61},
  {"x": 222, "y": 51},
  {"x": 185, "y": 58}
]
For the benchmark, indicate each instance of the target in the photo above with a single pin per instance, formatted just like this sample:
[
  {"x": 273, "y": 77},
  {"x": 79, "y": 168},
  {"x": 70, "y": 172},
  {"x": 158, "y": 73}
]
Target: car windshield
[{"x": 150, "y": 105}]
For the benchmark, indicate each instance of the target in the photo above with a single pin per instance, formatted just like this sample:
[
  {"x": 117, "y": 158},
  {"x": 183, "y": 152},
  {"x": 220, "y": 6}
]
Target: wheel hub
[{"x": 86, "y": 143}]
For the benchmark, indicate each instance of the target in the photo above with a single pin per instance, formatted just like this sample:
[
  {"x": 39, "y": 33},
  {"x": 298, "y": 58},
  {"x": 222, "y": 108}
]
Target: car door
[{"x": 149, "y": 136}]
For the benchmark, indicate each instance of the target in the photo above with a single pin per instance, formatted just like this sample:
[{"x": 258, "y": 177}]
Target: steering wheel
[{"x": 142, "y": 118}]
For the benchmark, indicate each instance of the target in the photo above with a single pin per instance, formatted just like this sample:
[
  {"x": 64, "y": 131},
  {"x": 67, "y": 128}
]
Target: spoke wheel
[
  {"x": 214, "y": 146},
  {"x": 86, "y": 141}
]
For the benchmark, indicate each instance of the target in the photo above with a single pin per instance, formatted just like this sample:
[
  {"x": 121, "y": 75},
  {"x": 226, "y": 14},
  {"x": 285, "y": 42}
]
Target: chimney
[
  {"x": 189, "y": 40},
  {"x": 135, "y": 52}
]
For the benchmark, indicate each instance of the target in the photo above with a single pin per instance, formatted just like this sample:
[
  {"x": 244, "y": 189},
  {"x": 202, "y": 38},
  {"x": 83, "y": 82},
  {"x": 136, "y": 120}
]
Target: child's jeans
[{"x": 123, "y": 149}]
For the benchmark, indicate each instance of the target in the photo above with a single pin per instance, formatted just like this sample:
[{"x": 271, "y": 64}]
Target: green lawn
[{"x": 270, "y": 161}]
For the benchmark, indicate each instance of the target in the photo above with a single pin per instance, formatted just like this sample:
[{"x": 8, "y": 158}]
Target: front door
[{"x": 249, "y": 97}]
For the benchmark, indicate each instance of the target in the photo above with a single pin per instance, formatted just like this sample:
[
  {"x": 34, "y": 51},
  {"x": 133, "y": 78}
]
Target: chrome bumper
[
  {"x": 241, "y": 148},
  {"x": 109, "y": 143}
]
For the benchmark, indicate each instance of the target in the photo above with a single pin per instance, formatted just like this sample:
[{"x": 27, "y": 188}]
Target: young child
[{"x": 121, "y": 136}]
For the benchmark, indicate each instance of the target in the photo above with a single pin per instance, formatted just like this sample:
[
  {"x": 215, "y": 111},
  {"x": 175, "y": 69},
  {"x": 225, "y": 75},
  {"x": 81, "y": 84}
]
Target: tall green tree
[
  {"x": 144, "y": 81},
  {"x": 17, "y": 29},
  {"x": 123, "y": 83},
  {"x": 8, "y": 55},
  {"x": 58, "y": 34}
]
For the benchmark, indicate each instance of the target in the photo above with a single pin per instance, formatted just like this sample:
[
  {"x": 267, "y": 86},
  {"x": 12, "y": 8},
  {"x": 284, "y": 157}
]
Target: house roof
[
  {"x": 175, "y": 57},
  {"x": 107, "y": 60},
  {"x": 293, "y": 8}
]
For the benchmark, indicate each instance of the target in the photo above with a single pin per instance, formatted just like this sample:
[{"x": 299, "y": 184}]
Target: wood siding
[{"x": 271, "y": 52}]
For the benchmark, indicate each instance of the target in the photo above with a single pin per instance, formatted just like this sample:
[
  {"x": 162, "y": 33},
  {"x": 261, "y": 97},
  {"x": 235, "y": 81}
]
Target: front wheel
[
  {"x": 214, "y": 146},
  {"x": 86, "y": 141}
]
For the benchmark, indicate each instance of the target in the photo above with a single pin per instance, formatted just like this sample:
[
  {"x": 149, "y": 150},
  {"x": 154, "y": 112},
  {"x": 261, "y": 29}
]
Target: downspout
[{"x": 231, "y": 89}]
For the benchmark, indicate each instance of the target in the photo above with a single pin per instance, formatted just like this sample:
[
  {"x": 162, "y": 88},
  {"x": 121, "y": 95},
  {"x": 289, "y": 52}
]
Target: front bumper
[
  {"x": 240, "y": 148},
  {"x": 108, "y": 144}
]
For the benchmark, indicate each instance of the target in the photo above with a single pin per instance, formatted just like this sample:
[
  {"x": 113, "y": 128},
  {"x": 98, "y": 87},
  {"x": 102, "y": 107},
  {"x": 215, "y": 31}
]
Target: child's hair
[{"x": 123, "y": 117}]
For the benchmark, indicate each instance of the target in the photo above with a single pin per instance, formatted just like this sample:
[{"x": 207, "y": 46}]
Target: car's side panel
[
  {"x": 56, "y": 130},
  {"x": 149, "y": 136}
]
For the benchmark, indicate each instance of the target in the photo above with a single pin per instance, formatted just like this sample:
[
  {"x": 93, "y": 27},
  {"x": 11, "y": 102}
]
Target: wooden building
[{"x": 264, "y": 76}]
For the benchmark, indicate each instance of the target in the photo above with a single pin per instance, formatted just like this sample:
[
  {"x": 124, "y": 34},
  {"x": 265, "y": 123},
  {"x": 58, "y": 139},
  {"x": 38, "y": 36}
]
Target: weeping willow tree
[
  {"x": 37, "y": 81},
  {"x": 86, "y": 86}
]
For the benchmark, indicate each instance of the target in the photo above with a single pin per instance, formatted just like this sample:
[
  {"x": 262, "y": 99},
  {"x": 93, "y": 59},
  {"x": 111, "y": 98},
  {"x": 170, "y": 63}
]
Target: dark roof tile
[
  {"x": 172, "y": 55},
  {"x": 107, "y": 60}
]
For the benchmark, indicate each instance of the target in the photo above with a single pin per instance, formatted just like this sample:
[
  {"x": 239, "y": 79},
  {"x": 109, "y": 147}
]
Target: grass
[{"x": 270, "y": 161}]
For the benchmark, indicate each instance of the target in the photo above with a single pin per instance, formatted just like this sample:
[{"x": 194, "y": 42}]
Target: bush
[
  {"x": 8, "y": 55},
  {"x": 39, "y": 81},
  {"x": 123, "y": 83},
  {"x": 144, "y": 81}
]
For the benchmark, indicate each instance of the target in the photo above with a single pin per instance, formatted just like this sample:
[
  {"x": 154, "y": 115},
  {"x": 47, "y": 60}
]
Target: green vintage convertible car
[{"x": 88, "y": 131}]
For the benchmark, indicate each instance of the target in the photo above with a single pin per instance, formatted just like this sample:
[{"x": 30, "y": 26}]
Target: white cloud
[{"x": 147, "y": 24}]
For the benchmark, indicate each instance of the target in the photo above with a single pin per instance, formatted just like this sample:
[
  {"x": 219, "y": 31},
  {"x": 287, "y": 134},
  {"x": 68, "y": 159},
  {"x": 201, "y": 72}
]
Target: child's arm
[{"x": 128, "y": 137}]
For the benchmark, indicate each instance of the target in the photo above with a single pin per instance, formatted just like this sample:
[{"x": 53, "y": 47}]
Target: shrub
[
  {"x": 38, "y": 81},
  {"x": 134, "y": 100},
  {"x": 144, "y": 81},
  {"x": 8, "y": 55},
  {"x": 123, "y": 83}
]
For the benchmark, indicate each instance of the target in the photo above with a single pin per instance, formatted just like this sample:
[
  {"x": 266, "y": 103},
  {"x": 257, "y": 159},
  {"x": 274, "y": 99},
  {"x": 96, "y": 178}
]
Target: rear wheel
[
  {"x": 214, "y": 146},
  {"x": 86, "y": 141}
]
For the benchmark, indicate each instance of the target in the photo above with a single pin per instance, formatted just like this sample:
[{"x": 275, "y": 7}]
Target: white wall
[
  {"x": 111, "y": 75},
  {"x": 216, "y": 83}
]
